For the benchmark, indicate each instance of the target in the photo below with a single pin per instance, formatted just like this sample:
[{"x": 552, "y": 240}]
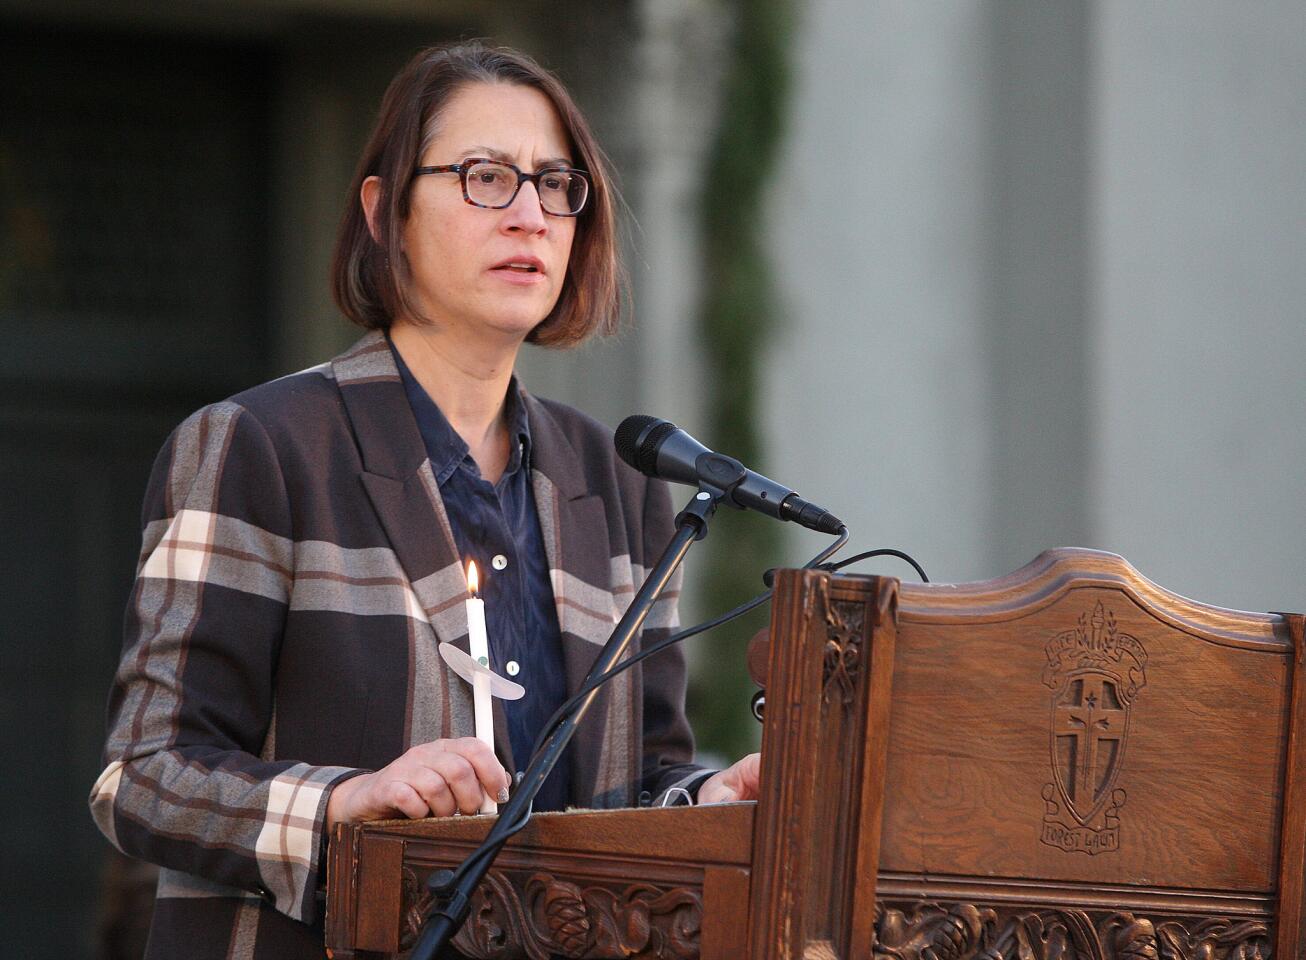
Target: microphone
[{"x": 661, "y": 449}]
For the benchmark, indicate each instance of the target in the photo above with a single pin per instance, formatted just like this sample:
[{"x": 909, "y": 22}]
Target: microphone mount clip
[{"x": 700, "y": 509}]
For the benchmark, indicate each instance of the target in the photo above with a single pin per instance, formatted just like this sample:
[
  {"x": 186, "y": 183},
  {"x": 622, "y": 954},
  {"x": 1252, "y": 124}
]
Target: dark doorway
[{"x": 133, "y": 289}]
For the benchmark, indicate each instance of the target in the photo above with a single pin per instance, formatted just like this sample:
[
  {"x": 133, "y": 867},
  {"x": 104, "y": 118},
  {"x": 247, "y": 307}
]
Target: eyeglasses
[{"x": 495, "y": 184}]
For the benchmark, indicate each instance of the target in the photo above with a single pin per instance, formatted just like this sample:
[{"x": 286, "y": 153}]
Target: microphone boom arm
[{"x": 454, "y": 892}]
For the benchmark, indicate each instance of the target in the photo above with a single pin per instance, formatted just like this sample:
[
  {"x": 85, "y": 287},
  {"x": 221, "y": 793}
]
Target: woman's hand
[
  {"x": 737, "y": 782},
  {"x": 432, "y": 779}
]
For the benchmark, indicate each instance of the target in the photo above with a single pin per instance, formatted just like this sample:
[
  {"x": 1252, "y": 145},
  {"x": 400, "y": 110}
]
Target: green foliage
[{"x": 738, "y": 312}]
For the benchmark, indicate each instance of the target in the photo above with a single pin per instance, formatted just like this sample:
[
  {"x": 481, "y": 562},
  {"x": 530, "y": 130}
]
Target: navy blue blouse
[{"x": 496, "y": 525}]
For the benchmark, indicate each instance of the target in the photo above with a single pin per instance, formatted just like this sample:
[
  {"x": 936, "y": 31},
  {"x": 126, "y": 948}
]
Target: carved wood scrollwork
[
  {"x": 538, "y": 916},
  {"x": 964, "y": 931},
  {"x": 844, "y": 625}
]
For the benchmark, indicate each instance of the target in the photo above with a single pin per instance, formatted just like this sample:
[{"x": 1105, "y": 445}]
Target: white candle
[{"x": 479, "y": 647}]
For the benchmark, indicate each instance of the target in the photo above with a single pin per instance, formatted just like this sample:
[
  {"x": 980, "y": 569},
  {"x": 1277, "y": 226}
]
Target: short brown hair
[{"x": 369, "y": 286}]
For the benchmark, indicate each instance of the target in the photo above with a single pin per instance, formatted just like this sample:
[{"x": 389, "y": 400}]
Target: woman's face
[{"x": 473, "y": 270}]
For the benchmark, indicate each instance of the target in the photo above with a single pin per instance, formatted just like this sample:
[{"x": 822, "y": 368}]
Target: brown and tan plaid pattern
[
  {"x": 296, "y": 576},
  {"x": 288, "y": 839},
  {"x": 202, "y": 547}
]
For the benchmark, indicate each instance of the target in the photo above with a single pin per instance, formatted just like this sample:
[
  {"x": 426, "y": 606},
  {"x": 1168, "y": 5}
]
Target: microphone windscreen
[{"x": 638, "y": 438}]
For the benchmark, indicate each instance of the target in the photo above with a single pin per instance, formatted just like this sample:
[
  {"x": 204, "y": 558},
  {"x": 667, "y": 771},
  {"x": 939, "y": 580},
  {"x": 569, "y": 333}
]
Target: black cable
[
  {"x": 491, "y": 851},
  {"x": 706, "y": 625},
  {"x": 829, "y": 551},
  {"x": 817, "y": 562},
  {"x": 626, "y": 664},
  {"x": 658, "y": 647},
  {"x": 882, "y": 552}
]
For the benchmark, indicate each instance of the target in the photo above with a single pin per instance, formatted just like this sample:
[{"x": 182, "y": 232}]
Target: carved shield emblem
[
  {"x": 1088, "y": 736},
  {"x": 1095, "y": 672}
]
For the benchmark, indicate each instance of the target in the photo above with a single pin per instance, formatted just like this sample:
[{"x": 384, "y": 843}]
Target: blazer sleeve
[
  {"x": 668, "y": 741},
  {"x": 188, "y": 783}
]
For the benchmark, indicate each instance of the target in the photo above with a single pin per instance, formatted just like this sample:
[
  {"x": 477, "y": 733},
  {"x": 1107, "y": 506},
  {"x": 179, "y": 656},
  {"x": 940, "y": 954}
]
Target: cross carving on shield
[{"x": 1088, "y": 732}]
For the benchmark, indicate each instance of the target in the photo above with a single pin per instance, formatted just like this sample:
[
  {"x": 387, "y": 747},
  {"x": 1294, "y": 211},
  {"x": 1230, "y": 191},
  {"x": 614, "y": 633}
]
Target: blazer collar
[
  {"x": 373, "y": 395},
  {"x": 386, "y": 430},
  {"x": 397, "y": 477},
  {"x": 552, "y": 453},
  {"x": 391, "y": 445}
]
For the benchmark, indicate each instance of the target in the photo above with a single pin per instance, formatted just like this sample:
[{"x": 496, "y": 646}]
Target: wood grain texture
[
  {"x": 824, "y": 744},
  {"x": 342, "y": 891},
  {"x": 1053, "y": 572},
  {"x": 868, "y": 794},
  {"x": 1292, "y": 859},
  {"x": 789, "y": 733},
  {"x": 381, "y": 861},
  {"x": 1068, "y": 762},
  {"x": 725, "y": 902},
  {"x": 721, "y": 833},
  {"x": 618, "y": 883},
  {"x": 973, "y": 746}
]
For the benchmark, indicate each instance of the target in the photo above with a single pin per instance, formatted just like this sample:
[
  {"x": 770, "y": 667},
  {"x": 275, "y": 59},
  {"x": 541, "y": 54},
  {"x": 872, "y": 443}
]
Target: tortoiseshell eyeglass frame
[{"x": 462, "y": 168}]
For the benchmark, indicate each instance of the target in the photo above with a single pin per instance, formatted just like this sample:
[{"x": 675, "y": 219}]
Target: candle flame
[{"x": 473, "y": 581}]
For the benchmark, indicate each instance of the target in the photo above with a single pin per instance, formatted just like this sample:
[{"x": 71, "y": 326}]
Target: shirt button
[
  {"x": 514, "y": 668},
  {"x": 499, "y": 561}
]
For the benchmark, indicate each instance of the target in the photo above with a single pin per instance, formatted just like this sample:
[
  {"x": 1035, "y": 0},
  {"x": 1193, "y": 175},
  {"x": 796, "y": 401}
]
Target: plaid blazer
[{"x": 296, "y": 574}]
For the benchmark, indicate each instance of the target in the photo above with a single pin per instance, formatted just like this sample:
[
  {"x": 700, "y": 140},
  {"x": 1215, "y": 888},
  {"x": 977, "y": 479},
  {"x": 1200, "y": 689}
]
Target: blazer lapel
[
  {"x": 575, "y": 530},
  {"x": 398, "y": 479}
]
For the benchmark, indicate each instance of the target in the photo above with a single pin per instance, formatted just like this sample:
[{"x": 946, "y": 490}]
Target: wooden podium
[{"x": 1069, "y": 762}]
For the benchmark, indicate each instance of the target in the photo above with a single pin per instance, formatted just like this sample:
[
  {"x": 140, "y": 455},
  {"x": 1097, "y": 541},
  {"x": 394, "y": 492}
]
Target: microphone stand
[{"x": 453, "y": 893}]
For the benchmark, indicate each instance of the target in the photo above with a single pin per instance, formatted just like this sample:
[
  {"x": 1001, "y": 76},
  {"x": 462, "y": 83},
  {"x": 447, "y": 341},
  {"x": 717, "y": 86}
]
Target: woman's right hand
[{"x": 432, "y": 779}]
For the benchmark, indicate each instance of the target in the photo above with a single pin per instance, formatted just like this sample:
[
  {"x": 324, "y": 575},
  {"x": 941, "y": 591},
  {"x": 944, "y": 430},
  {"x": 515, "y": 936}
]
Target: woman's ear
[{"x": 370, "y": 196}]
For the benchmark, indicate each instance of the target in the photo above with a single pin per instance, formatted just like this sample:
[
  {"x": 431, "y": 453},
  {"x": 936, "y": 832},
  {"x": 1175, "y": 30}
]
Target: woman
[{"x": 305, "y": 541}]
